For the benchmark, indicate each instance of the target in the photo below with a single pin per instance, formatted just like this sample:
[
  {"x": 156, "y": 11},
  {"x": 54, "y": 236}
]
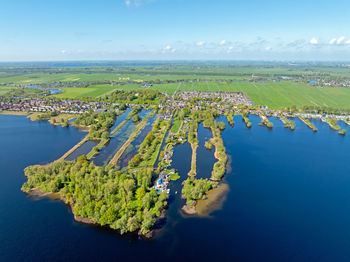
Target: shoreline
[
  {"x": 32, "y": 116},
  {"x": 215, "y": 198},
  {"x": 70, "y": 151},
  {"x": 193, "y": 171},
  {"x": 14, "y": 113},
  {"x": 36, "y": 192},
  {"x": 308, "y": 123},
  {"x": 190, "y": 211},
  {"x": 220, "y": 157}
]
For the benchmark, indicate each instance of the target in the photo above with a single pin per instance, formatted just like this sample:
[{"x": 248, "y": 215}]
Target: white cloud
[
  {"x": 230, "y": 49},
  {"x": 340, "y": 40},
  {"x": 333, "y": 41},
  {"x": 137, "y": 3},
  {"x": 223, "y": 42},
  {"x": 63, "y": 52},
  {"x": 168, "y": 49},
  {"x": 314, "y": 41},
  {"x": 200, "y": 43},
  {"x": 269, "y": 48}
]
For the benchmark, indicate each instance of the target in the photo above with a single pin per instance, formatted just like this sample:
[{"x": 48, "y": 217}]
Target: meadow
[
  {"x": 92, "y": 91},
  {"x": 265, "y": 90},
  {"x": 275, "y": 95},
  {"x": 4, "y": 90}
]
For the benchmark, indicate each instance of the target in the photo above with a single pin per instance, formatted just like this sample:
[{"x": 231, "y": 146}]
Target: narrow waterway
[
  {"x": 205, "y": 157},
  {"x": 117, "y": 141},
  {"x": 132, "y": 149},
  {"x": 121, "y": 118},
  {"x": 84, "y": 149}
]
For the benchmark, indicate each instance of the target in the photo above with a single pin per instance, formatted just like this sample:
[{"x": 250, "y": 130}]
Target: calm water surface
[
  {"x": 289, "y": 200},
  {"x": 204, "y": 168},
  {"x": 132, "y": 149},
  {"x": 121, "y": 118},
  {"x": 84, "y": 149}
]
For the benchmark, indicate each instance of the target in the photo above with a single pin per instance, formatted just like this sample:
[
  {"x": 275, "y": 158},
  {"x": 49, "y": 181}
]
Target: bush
[
  {"x": 195, "y": 189},
  {"x": 136, "y": 118},
  {"x": 208, "y": 145}
]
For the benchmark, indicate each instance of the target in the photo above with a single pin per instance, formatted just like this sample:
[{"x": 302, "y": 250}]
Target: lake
[
  {"x": 289, "y": 200},
  {"x": 51, "y": 90}
]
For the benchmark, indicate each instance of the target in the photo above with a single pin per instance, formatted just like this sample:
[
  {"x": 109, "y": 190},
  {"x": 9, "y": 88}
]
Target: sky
[{"x": 274, "y": 30}]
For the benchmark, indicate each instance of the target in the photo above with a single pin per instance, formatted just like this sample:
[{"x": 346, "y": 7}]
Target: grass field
[
  {"x": 4, "y": 90},
  {"x": 91, "y": 91},
  {"x": 273, "y": 94},
  {"x": 175, "y": 127},
  {"x": 286, "y": 94},
  {"x": 27, "y": 79}
]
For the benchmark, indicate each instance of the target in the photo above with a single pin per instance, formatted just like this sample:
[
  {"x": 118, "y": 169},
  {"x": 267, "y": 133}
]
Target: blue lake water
[
  {"x": 52, "y": 90},
  {"x": 289, "y": 200}
]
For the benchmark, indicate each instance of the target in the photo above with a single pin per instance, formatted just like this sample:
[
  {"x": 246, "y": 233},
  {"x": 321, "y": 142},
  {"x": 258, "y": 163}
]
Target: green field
[
  {"x": 27, "y": 79},
  {"x": 4, "y": 90},
  {"x": 273, "y": 94},
  {"x": 84, "y": 92},
  {"x": 286, "y": 94},
  {"x": 176, "y": 125},
  {"x": 206, "y": 76}
]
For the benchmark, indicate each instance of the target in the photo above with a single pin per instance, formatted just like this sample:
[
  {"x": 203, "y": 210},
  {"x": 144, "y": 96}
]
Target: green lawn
[{"x": 175, "y": 127}]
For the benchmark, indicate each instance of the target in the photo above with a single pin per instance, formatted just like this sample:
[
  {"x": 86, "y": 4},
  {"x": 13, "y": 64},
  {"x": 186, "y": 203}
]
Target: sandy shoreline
[
  {"x": 189, "y": 210},
  {"x": 215, "y": 199}
]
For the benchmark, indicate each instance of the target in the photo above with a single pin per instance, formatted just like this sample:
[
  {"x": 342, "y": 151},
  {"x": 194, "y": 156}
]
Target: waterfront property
[{"x": 162, "y": 182}]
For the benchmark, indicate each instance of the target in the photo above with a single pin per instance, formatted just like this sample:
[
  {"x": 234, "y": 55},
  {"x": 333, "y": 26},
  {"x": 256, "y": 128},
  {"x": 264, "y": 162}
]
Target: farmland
[
  {"x": 274, "y": 85},
  {"x": 272, "y": 94},
  {"x": 91, "y": 91}
]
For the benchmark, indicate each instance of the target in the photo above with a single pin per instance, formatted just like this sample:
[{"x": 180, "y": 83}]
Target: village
[
  {"x": 223, "y": 102},
  {"x": 235, "y": 98},
  {"x": 52, "y": 105}
]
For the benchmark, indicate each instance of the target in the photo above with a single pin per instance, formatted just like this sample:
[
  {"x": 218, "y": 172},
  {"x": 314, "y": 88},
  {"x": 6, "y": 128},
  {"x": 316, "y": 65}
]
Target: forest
[{"x": 103, "y": 195}]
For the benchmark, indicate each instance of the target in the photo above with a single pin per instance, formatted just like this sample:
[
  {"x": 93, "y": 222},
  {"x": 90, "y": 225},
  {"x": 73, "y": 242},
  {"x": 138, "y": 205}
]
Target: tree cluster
[{"x": 108, "y": 197}]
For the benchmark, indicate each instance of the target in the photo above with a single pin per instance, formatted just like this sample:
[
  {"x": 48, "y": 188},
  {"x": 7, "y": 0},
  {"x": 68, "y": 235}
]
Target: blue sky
[{"x": 38, "y": 30}]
